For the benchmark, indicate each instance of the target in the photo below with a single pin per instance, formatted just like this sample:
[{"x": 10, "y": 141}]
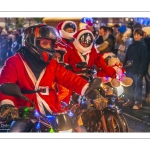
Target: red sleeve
[
  {"x": 66, "y": 57},
  {"x": 100, "y": 62},
  {"x": 69, "y": 80},
  {"x": 8, "y": 74}
]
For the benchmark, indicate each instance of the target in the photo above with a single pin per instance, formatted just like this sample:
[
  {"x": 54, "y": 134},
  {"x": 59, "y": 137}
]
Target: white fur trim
[
  {"x": 65, "y": 34},
  {"x": 39, "y": 79},
  {"x": 146, "y": 30},
  {"x": 36, "y": 83},
  {"x": 41, "y": 102},
  {"x": 108, "y": 54},
  {"x": 84, "y": 88},
  {"x": 87, "y": 58},
  {"x": 82, "y": 58},
  {"x": 6, "y": 101},
  {"x": 29, "y": 71},
  {"x": 79, "y": 47}
]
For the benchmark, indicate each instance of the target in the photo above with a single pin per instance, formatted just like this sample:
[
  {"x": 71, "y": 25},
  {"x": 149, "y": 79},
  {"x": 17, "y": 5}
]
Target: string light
[
  {"x": 51, "y": 130},
  {"x": 36, "y": 114},
  {"x": 26, "y": 110},
  {"x": 38, "y": 126},
  {"x": 70, "y": 114}
]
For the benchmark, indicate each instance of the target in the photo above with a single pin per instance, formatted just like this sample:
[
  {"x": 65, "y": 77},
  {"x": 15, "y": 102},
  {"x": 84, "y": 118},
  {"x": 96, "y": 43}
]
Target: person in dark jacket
[
  {"x": 4, "y": 47},
  {"x": 137, "y": 53},
  {"x": 146, "y": 38},
  {"x": 108, "y": 44}
]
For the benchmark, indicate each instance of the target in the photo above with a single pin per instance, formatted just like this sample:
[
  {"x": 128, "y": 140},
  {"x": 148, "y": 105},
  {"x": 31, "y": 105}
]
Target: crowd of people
[
  {"x": 36, "y": 64},
  {"x": 118, "y": 40},
  {"x": 10, "y": 42},
  {"x": 128, "y": 44}
]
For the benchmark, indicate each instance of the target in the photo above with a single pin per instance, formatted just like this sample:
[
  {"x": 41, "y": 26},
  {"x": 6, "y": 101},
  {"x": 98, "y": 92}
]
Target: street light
[
  {"x": 97, "y": 21},
  {"x": 126, "y": 19}
]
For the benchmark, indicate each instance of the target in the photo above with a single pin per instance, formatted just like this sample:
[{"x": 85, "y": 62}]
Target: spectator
[
  {"x": 108, "y": 43},
  {"x": 4, "y": 46},
  {"x": 137, "y": 26},
  {"x": 147, "y": 77},
  {"x": 115, "y": 29},
  {"x": 123, "y": 40},
  {"x": 110, "y": 31},
  {"x": 138, "y": 54},
  {"x": 10, "y": 36}
]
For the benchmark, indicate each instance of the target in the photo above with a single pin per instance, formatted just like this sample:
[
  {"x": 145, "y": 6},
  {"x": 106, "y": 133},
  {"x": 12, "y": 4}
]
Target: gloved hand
[
  {"x": 68, "y": 67},
  {"x": 140, "y": 76},
  {"x": 8, "y": 111},
  {"x": 93, "y": 94}
]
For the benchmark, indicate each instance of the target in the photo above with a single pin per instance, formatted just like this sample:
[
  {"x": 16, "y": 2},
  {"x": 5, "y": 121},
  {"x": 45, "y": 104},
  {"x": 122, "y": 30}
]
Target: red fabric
[
  {"x": 72, "y": 58},
  {"x": 64, "y": 47},
  {"x": 63, "y": 96},
  {"x": 45, "y": 56},
  {"x": 58, "y": 27},
  {"x": 105, "y": 71},
  {"x": 14, "y": 71}
]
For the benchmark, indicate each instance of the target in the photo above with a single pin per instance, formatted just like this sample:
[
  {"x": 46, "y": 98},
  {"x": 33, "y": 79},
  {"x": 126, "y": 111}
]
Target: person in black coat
[
  {"x": 137, "y": 53},
  {"x": 147, "y": 77},
  {"x": 4, "y": 48}
]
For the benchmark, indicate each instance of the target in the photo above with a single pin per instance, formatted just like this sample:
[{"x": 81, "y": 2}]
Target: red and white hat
[
  {"x": 62, "y": 32},
  {"x": 77, "y": 44}
]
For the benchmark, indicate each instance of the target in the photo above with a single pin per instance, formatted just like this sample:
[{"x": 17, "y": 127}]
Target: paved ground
[
  {"x": 138, "y": 120},
  {"x": 136, "y": 125}
]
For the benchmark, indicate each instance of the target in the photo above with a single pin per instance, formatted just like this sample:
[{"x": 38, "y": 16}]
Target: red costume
[
  {"x": 17, "y": 70},
  {"x": 75, "y": 55},
  {"x": 64, "y": 45}
]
